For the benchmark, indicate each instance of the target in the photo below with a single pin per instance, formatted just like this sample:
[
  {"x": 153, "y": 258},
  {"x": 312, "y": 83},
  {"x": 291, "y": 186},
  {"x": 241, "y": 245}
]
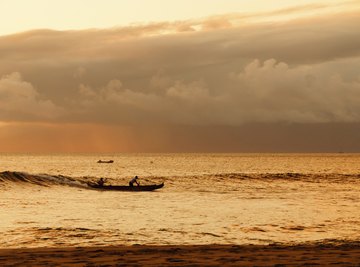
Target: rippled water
[{"x": 207, "y": 198}]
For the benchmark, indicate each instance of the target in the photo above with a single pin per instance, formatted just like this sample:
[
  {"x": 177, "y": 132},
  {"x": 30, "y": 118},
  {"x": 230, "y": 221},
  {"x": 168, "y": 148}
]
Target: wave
[
  {"x": 41, "y": 179},
  {"x": 13, "y": 177}
]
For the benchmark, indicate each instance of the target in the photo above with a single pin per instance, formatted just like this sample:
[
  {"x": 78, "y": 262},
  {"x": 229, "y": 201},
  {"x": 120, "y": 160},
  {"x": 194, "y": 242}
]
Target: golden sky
[
  {"x": 22, "y": 15},
  {"x": 179, "y": 76}
]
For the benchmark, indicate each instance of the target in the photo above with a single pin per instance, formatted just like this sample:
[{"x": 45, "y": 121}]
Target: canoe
[{"x": 127, "y": 188}]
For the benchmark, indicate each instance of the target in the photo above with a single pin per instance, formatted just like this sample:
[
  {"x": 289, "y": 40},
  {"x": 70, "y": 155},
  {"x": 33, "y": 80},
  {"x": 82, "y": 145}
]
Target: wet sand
[{"x": 207, "y": 255}]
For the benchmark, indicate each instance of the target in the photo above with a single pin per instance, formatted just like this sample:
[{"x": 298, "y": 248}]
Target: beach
[{"x": 195, "y": 255}]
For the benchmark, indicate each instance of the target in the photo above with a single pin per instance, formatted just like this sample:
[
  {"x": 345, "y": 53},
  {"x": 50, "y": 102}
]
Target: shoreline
[{"x": 345, "y": 254}]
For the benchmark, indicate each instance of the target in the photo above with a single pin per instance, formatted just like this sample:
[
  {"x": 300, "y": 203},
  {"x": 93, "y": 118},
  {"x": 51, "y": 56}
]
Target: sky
[
  {"x": 179, "y": 76},
  {"x": 22, "y": 15}
]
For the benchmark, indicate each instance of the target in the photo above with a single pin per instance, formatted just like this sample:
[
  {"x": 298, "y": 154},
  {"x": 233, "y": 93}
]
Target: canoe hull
[{"x": 139, "y": 188}]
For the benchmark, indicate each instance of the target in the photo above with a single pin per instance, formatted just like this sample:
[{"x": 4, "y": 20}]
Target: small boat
[
  {"x": 126, "y": 187},
  {"x": 105, "y": 161}
]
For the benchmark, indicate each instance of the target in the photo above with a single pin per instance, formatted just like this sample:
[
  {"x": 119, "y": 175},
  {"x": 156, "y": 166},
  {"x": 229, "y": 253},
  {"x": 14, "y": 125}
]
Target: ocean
[{"x": 207, "y": 199}]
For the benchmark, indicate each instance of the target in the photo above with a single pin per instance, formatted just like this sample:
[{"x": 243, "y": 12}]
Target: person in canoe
[
  {"x": 101, "y": 182},
  {"x": 134, "y": 180}
]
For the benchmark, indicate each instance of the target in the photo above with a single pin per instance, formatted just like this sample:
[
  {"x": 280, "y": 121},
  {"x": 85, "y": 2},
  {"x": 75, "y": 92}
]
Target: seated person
[{"x": 101, "y": 182}]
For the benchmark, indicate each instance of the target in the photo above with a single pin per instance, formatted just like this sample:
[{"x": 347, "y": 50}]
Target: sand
[{"x": 207, "y": 255}]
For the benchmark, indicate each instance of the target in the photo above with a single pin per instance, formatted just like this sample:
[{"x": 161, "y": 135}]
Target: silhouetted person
[
  {"x": 134, "y": 180},
  {"x": 101, "y": 182}
]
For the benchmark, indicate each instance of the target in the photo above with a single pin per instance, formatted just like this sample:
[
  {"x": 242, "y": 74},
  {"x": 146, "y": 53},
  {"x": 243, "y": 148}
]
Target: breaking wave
[
  {"x": 47, "y": 180},
  {"x": 41, "y": 179}
]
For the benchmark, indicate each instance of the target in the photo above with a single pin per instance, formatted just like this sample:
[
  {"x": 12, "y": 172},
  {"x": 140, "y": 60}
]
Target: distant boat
[
  {"x": 126, "y": 187},
  {"x": 105, "y": 161}
]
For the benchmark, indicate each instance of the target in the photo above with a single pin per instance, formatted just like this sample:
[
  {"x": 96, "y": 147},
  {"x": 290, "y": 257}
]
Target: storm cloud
[{"x": 223, "y": 71}]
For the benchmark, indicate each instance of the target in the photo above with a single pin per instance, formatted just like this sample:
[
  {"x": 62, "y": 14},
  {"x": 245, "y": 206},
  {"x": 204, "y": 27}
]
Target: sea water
[{"x": 207, "y": 199}]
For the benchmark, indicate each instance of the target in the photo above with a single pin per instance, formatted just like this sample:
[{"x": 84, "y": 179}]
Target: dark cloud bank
[{"x": 209, "y": 85}]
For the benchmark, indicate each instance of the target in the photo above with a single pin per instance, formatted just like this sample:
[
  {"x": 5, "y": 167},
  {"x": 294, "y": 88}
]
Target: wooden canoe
[{"x": 126, "y": 187}]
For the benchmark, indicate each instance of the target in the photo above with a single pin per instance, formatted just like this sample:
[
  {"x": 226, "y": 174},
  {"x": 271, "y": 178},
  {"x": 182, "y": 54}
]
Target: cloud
[
  {"x": 19, "y": 100},
  {"x": 273, "y": 91},
  {"x": 214, "y": 71},
  {"x": 309, "y": 39},
  {"x": 79, "y": 72},
  {"x": 268, "y": 91}
]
